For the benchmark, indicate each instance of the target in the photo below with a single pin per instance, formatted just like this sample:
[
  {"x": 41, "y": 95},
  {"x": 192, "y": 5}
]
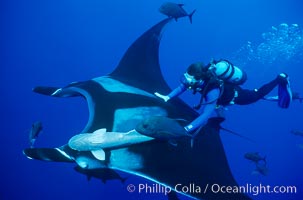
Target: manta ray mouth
[
  {"x": 99, "y": 91},
  {"x": 129, "y": 118},
  {"x": 126, "y": 117}
]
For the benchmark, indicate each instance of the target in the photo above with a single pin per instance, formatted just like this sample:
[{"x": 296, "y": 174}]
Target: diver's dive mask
[{"x": 190, "y": 81}]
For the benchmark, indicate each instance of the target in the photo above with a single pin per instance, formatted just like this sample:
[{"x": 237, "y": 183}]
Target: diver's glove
[
  {"x": 164, "y": 97},
  {"x": 188, "y": 129}
]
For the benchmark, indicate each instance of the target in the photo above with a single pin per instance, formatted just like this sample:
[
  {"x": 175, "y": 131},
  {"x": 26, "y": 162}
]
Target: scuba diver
[{"x": 219, "y": 85}]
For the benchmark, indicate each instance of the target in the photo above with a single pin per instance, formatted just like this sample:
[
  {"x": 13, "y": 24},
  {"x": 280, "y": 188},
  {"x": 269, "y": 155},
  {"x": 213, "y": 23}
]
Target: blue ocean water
[{"x": 58, "y": 42}]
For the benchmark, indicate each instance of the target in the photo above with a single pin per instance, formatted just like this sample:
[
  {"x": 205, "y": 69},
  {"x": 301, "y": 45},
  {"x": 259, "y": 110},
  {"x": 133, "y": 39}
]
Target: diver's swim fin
[{"x": 284, "y": 92}]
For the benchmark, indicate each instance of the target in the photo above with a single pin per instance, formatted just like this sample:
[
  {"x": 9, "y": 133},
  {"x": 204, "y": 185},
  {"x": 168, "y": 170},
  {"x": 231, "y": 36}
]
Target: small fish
[
  {"x": 34, "y": 132},
  {"x": 297, "y": 132},
  {"x": 296, "y": 96},
  {"x": 103, "y": 174},
  {"x": 261, "y": 169},
  {"x": 162, "y": 128},
  {"x": 255, "y": 157},
  {"x": 175, "y": 10}
]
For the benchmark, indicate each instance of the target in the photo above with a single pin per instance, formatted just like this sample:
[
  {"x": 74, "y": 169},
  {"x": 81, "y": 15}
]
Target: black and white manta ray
[{"x": 122, "y": 99}]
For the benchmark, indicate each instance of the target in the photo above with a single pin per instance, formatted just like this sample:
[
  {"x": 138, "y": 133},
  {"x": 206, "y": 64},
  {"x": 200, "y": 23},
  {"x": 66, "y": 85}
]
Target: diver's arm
[
  {"x": 211, "y": 97},
  {"x": 176, "y": 92}
]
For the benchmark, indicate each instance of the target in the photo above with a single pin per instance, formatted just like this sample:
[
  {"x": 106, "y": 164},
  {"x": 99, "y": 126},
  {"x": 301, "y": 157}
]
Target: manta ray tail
[
  {"x": 216, "y": 123},
  {"x": 237, "y": 134}
]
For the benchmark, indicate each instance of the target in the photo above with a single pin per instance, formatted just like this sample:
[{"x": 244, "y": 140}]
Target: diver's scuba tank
[{"x": 226, "y": 71}]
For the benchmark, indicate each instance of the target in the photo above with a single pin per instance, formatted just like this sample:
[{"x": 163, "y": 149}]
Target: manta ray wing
[{"x": 140, "y": 64}]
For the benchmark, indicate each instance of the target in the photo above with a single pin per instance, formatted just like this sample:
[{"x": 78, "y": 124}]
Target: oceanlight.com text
[
  {"x": 252, "y": 189},
  {"x": 212, "y": 188}
]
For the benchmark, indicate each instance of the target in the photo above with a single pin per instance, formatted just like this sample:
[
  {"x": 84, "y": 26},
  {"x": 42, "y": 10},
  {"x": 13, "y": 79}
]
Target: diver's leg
[{"x": 250, "y": 96}]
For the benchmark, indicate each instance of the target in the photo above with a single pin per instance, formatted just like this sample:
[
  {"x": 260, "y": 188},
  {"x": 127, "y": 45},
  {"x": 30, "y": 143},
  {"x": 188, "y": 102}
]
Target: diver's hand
[{"x": 164, "y": 97}]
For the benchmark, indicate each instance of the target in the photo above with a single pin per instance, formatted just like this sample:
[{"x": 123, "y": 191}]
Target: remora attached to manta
[{"x": 119, "y": 101}]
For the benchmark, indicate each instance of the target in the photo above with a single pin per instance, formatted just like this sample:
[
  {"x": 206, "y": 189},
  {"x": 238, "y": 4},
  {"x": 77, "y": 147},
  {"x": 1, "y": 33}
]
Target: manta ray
[{"x": 120, "y": 100}]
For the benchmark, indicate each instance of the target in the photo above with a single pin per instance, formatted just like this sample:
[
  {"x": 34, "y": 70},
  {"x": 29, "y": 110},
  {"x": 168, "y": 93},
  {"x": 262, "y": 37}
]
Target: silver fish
[
  {"x": 34, "y": 132},
  {"x": 261, "y": 169},
  {"x": 297, "y": 132},
  {"x": 255, "y": 157},
  {"x": 103, "y": 174},
  {"x": 175, "y": 10}
]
